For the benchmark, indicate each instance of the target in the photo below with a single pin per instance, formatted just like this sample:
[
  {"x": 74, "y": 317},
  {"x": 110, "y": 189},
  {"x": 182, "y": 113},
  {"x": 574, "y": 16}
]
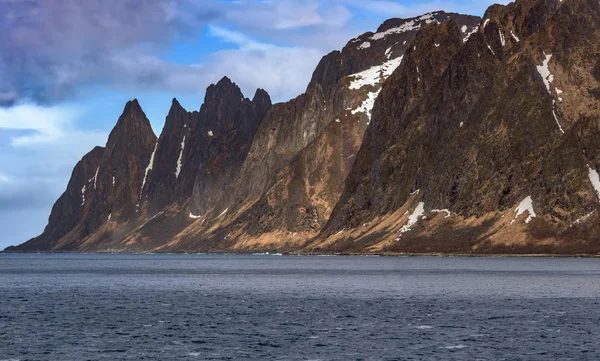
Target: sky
[{"x": 67, "y": 68}]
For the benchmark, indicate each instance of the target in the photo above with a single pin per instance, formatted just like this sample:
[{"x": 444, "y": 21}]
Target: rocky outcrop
[
  {"x": 228, "y": 124},
  {"x": 303, "y": 150},
  {"x": 103, "y": 190},
  {"x": 494, "y": 155},
  {"x": 167, "y": 179},
  {"x": 70, "y": 209},
  {"x": 197, "y": 157}
]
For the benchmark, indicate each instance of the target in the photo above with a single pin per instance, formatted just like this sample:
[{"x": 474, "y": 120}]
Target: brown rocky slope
[{"x": 498, "y": 154}]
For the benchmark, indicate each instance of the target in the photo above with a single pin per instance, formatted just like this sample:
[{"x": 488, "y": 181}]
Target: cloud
[
  {"x": 43, "y": 125},
  {"x": 50, "y": 50},
  {"x": 389, "y": 8},
  {"x": 283, "y": 71},
  {"x": 242, "y": 40},
  {"x": 50, "y": 47},
  {"x": 47, "y": 145},
  {"x": 39, "y": 147}
]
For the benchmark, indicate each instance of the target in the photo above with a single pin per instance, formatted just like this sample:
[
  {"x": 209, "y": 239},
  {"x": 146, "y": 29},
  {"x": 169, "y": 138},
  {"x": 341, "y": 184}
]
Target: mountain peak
[
  {"x": 176, "y": 107},
  {"x": 132, "y": 123},
  {"x": 132, "y": 110},
  {"x": 224, "y": 80},
  {"x": 261, "y": 98},
  {"x": 132, "y": 106},
  {"x": 224, "y": 87}
]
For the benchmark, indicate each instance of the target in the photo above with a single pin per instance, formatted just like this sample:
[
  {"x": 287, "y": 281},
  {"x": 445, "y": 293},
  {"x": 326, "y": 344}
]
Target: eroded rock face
[
  {"x": 493, "y": 155},
  {"x": 228, "y": 123},
  {"x": 170, "y": 176},
  {"x": 295, "y": 170},
  {"x": 198, "y": 155}
]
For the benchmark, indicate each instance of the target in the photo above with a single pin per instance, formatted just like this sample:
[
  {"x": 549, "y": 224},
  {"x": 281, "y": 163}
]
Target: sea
[{"x": 273, "y": 307}]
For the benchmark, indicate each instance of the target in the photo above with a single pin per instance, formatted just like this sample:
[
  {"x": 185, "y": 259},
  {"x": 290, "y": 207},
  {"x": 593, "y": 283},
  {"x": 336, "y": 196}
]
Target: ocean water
[{"x": 263, "y": 307}]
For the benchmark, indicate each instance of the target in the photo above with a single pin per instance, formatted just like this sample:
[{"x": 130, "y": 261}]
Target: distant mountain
[{"x": 443, "y": 133}]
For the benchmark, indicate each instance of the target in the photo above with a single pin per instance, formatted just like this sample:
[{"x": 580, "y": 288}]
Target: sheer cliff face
[
  {"x": 116, "y": 192},
  {"x": 304, "y": 149},
  {"x": 496, "y": 151},
  {"x": 199, "y": 152},
  {"x": 344, "y": 84},
  {"x": 167, "y": 180},
  {"x": 228, "y": 123}
]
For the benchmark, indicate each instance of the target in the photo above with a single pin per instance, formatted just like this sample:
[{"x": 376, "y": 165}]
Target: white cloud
[
  {"x": 4, "y": 178},
  {"x": 389, "y": 8},
  {"x": 283, "y": 71},
  {"x": 238, "y": 38},
  {"x": 280, "y": 14},
  {"x": 46, "y": 124},
  {"x": 53, "y": 49},
  {"x": 36, "y": 163}
]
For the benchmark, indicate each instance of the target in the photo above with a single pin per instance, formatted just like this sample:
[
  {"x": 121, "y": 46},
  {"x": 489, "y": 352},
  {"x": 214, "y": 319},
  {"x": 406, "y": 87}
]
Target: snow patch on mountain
[
  {"x": 414, "y": 217},
  {"x": 148, "y": 169},
  {"x": 366, "y": 106},
  {"x": 364, "y": 45},
  {"x": 374, "y": 75},
  {"x": 180, "y": 160},
  {"x": 468, "y": 33},
  {"x": 548, "y": 79},
  {"x": 583, "y": 219},
  {"x": 514, "y": 36},
  {"x": 192, "y": 216},
  {"x": 544, "y": 71},
  {"x": 526, "y": 205},
  {"x": 96, "y": 177},
  {"x": 595, "y": 179},
  {"x": 411, "y": 25},
  {"x": 448, "y": 213}
]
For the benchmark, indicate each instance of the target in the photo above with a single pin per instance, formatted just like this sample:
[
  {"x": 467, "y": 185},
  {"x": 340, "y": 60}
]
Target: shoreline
[{"x": 333, "y": 254}]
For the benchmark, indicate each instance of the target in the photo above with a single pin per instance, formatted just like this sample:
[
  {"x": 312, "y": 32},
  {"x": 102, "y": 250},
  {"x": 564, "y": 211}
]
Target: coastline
[{"x": 331, "y": 254}]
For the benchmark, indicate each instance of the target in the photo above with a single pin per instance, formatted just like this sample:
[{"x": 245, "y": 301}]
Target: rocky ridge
[{"x": 443, "y": 133}]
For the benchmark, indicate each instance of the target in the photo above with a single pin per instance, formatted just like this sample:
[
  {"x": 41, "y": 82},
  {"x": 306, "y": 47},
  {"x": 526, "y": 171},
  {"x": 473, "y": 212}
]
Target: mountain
[
  {"x": 304, "y": 148},
  {"x": 102, "y": 190},
  {"x": 492, "y": 149},
  {"x": 443, "y": 133}
]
